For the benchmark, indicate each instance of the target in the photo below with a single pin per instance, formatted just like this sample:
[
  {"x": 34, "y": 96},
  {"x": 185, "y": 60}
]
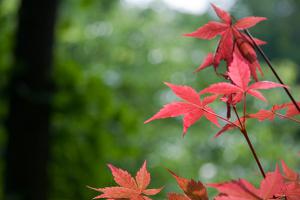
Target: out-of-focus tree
[{"x": 30, "y": 97}]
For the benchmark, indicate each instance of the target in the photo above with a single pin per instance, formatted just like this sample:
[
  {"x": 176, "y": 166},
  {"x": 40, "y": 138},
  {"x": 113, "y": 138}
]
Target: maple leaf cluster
[
  {"x": 237, "y": 49},
  {"x": 241, "y": 81},
  {"x": 232, "y": 40},
  {"x": 193, "y": 108},
  {"x": 276, "y": 185}
]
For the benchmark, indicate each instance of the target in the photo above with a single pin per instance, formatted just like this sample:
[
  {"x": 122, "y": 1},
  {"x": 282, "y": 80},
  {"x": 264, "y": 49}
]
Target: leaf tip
[
  {"x": 148, "y": 120},
  {"x": 187, "y": 35},
  {"x": 168, "y": 84},
  {"x": 263, "y": 18},
  {"x": 213, "y": 5},
  {"x": 112, "y": 168},
  {"x": 144, "y": 164}
]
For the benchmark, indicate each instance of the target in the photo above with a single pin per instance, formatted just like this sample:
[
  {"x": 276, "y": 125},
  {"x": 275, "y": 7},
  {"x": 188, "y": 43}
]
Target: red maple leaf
[
  {"x": 291, "y": 109},
  {"x": 239, "y": 74},
  {"x": 236, "y": 189},
  {"x": 231, "y": 39},
  {"x": 267, "y": 114},
  {"x": 263, "y": 115},
  {"x": 192, "y": 108},
  {"x": 129, "y": 188},
  {"x": 292, "y": 191},
  {"x": 193, "y": 190},
  {"x": 176, "y": 196},
  {"x": 230, "y": 126},
  {"x": 273, "y": 186},
  {"x": 289, "y": 174}
]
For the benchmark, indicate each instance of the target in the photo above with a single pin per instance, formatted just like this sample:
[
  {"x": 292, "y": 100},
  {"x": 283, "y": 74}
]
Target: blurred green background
[{"x": 110, "y": 59}]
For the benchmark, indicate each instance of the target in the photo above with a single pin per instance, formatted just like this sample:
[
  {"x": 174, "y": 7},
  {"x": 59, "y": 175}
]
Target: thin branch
[
  {"x": 286, "y": 117},
  {"x": 272, "y": 68},
  {"x": 238, "y": 117},
  {"x": 244, "y": 132}
]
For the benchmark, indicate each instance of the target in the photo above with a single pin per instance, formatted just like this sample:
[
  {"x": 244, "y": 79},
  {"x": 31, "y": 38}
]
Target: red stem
[
  {"x": 239, "y": 119},
  {"x": 244, "y": 132}
]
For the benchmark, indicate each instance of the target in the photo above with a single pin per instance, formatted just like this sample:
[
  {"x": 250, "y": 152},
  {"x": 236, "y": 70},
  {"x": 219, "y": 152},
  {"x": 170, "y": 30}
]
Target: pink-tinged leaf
[
  {"x": 225, "y": 16},
  {"x": 208, "y": 60},
  {"x": 192, "y": 109},
  {"x": 256, "y": 40},
  {"x": 259, "y": 42},
  {"x": 248, "y": 22},
  {"x": 152, "y": 192},
  {"x": 142, "y": 197},
  {"x": 175, "y": 196},
  {"x": 185, "y": 92},
  {"x": 257, "y": 94},
  {"x": 263, "y": 115},
  {"x": 248, "y": 53},
  {"x": 256, "y": 65},
  {"x": 239, "y": 72},
  {"x": 132, "y": 190},
  {"x": 210, "y": 115},
  {"x": 245, "y": 50},
  {"x": 263, "y": 85},
  {"x": 289, "y": 174},
  {"x": 221, "y": 88},
  {"x": 190, "y": 118},
  {"x": 143, "y": 177},
  {"x": 225, "y": 197},
  {"x": 117, "y": 192},
  {"x": 271, "y": 185},
  {"x": 172, "y": 110},
  {"x": 122, "y": 177},
  {"x": 208, "y": 31},
  {"x": 225, "y": 128},
  {"x": 182, "y": 182},
  {"x": 209, "y": 99},
  {"x": 193, "y": 189},
  {"x": 278, "y": 107},
  {"x": 225, "y": 48},
  {"x": 253, "y": 68},
  {"x": 237, "y": 98},
  {"x": 292, "y": 191},
  {"x": 292, "y": 110},
  {"x": 240, "y": 189}
]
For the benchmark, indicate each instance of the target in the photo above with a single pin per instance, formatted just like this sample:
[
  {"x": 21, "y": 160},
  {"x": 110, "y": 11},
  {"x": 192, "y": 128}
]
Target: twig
[
  {"x": 286, "y": 117},
  {"x": 272, "y": 68},
  {"x": 253, "y": 153}
]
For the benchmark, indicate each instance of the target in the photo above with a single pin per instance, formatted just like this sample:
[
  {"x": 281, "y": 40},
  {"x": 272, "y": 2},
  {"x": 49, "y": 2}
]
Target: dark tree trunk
[{"x": 30, "y": 92}]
